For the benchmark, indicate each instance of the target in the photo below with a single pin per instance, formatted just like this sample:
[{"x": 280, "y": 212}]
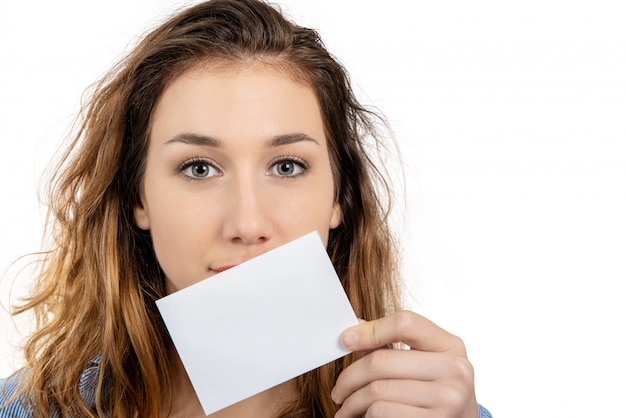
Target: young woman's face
[{"x": 237, "y": 165}]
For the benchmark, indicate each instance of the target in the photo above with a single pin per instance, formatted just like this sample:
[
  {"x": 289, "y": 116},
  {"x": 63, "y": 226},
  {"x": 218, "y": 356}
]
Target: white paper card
[{"x": 260, "y": 323}]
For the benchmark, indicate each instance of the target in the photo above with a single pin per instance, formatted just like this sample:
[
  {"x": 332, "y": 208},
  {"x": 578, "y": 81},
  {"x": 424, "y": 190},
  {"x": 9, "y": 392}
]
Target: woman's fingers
[
  {"x": 406, "y": 366},
  {"x": 385, "y": 409},
  {"x": 404, "y": 326},
  {"x": 382, "y": 395},
  {"x": 433, "y": 378}
]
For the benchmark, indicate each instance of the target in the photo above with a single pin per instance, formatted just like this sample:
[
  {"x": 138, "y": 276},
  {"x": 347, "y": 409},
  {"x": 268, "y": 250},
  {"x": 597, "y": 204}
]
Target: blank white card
[{"x": 260, "y": 323}]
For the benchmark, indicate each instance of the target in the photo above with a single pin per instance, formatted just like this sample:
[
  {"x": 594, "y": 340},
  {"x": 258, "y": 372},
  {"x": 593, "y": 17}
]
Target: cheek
[
  {"x": 182, "y": 231},
  {"x": 172, "y": 237},
  {"x": 179, "y": 251},
  {"x": 314, "y": 211}
]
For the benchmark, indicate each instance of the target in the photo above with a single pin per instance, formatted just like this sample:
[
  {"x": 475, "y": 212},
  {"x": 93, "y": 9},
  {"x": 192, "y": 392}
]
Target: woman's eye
[
  {"x": 287, "y": 168},
  {"x": 199, "y": 169}
]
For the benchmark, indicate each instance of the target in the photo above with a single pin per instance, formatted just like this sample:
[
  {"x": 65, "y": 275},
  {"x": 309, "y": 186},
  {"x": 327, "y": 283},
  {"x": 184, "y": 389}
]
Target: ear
[
  {"x": 336, "y": 217},
  {"x": 142, "y": 217}
]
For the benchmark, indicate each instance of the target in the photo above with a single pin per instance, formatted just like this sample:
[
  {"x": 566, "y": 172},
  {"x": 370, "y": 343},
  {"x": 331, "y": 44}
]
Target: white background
[{"x": 510, "y": 117}]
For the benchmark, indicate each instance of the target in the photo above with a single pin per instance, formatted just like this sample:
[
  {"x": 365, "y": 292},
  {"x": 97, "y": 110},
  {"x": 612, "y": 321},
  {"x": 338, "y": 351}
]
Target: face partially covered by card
[{"x": 260, "y": 323}]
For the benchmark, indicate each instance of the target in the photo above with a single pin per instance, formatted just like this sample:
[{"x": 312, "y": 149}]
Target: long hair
[{"x": 94, "y": 296}]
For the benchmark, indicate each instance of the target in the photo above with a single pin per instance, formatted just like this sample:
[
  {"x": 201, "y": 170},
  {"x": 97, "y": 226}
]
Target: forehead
[
  {"x": 225, "y": 69},
  {"x": 237, "y": 101}
]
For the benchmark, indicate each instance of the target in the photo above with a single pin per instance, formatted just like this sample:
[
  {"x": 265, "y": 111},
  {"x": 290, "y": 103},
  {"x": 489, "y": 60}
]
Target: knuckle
[
  {"x": 459, "y": 345},
  {"x": 406, "y": 322},
  {"x": 463, "y": 371},
  {"x": 374, "y": 334},
  {"x": 379, "y": 389},
  {"x": 377, "y": 360},
  {"x": 378, "y": 409},
  {"x": 453, "y": 398}
]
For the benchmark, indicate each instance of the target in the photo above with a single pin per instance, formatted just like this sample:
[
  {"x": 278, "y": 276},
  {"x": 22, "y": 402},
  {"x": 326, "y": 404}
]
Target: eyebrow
[
  {"x": 275, "y": 141},
  {"x": 195, "y": 139},
  {"x": 278, "y": 140}
]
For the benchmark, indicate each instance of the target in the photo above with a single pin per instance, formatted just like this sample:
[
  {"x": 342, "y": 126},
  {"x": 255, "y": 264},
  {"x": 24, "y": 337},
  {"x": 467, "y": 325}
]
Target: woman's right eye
[{"x": 198, "y": 169}]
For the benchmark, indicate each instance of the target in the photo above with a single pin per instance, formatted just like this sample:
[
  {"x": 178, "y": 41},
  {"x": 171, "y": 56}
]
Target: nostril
[{"x": 247, "y": 221}]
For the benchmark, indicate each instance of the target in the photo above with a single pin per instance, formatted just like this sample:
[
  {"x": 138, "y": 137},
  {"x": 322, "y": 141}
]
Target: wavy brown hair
[{"x": 94, "y": 297}]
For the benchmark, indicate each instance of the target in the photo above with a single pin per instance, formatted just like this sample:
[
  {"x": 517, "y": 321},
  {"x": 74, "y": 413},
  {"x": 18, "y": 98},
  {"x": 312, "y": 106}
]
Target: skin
[
  {"x": 433, "y": 378},
  {"x": 237, "y": 165}
]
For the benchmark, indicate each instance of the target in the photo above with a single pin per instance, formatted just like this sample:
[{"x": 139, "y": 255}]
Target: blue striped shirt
[{"x": 17, "y": 408}]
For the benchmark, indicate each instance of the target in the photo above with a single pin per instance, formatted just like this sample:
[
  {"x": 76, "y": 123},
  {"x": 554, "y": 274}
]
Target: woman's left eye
[{"x": 287, "y": 168}]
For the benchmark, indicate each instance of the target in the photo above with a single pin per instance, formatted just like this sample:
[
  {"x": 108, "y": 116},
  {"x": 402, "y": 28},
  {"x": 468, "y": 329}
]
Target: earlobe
[
  {"x": 142, "y": 219},
  {"x": 336, "y": 217}
]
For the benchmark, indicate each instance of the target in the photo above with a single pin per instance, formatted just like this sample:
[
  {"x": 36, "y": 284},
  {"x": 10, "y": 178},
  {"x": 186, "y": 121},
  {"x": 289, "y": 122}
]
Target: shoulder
[
  {"x": 16, "y": 406},
  {"x": 483, "y": 413},
  {"x": 10, "y": 406}
]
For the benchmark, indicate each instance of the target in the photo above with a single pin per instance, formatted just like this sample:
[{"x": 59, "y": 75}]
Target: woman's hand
[{"x": 432, "y": 379}]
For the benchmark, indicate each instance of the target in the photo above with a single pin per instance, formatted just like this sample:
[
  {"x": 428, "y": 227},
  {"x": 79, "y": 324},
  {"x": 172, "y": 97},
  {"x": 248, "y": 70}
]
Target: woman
[{"x": 226, "y": 132}]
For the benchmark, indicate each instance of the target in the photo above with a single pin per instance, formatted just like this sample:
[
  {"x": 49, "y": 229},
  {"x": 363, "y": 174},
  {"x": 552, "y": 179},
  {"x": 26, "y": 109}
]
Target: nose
[{"x": 247, "y": 214}]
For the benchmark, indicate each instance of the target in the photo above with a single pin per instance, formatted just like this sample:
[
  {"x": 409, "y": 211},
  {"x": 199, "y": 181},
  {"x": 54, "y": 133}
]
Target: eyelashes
[
  {"x": 288, "y": 166},
  {"x": 200, "y": 168}
]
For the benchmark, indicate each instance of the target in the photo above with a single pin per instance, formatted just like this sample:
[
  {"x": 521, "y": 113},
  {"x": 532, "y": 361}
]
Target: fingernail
[{"x": 350, "y": 339}]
